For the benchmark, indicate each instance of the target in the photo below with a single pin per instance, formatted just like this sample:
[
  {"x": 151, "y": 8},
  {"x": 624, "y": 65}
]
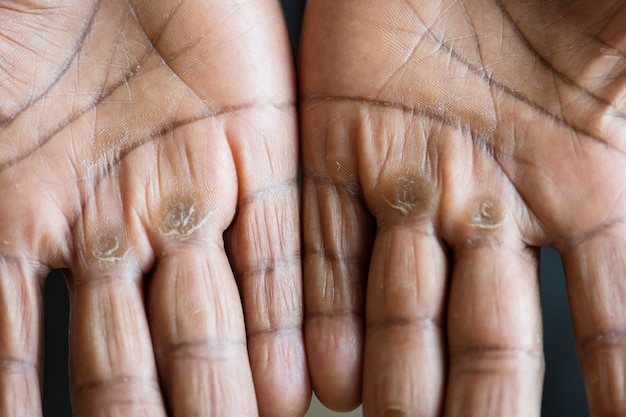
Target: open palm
[
  {"x": 444, "y": 142},
  {"x": 132, "y": 135}
]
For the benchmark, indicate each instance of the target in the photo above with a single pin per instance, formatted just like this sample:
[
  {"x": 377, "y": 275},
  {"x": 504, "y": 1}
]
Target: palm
[
  {"x": 129, "y": 141},
  {"x": 473, "y": 132}
]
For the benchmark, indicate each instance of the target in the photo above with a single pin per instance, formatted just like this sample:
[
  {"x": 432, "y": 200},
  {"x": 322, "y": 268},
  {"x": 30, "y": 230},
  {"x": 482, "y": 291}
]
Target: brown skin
[
  {"x": 443, "y": 143},
  {"x": 132, "y": 135}
]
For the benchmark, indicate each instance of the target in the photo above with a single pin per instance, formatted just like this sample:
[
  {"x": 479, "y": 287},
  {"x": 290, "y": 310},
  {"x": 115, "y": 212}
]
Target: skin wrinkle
[
  {"x": 422, "y": 323},
  {"x": 558, "y": 94},
  {"x": 357, "y": 314},
  {"x": 69, "y": 121},
  {"x": 123, "y": 83},
  {"x": 168, "y": 129},
  {"x": 443, "y": 46},
  {"x": 154, "y": 47},
  {"x": 121, "y": 380},
  {"x": 525, "y": 254},
  {"x": 23, "y": 46},
  {"x": 334, "y": 295},
  {"x": 480, "y": 55},
  {"x": 401, "y": 67},
  {"x": 80, "y": 41},
  {"x": 152, "y": 384},
  {"x": 477, "y": 137},
  {"x": 413, "y": 111},
  {"x": 543, "y": 61},
  {"x": 607, "y": 18},
  {"x": 256, "y": 196},
  {"x": 274, "y": 330},
  {"x": 28, "y": 11},
  {"x": 337, "y": 258},
  {"x": 281, "y": 106},
  {"x": 17, "y": 365},
  {"x": 490, "y": 81},
  {"x": 603, "y": 340},
  {"x": 160, "y": 30},
  {"x": 107, "y": 278},
  {"x": 352, "y": 190},
  {"x": 573, "y": 243},
  {"x": 19, "y": 261},
  {"x": 495, "y": 351},
  {"x": 183, "y": 349},
  {"x": 480, "y": 240},
  {"x": 259, "y": 196},
  {"x": 603, "y": 28},
  {"x": 134, "y": 69},
  {"x": 269, "y": 265}
]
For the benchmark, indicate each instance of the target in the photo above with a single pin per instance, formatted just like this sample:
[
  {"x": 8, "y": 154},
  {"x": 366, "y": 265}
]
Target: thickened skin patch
[
  {"x": 487, "y": 214},
  {"x": 409, "y": 194},
  {"x": 182, "y": 217},
  {"x": 109, "y": 248}
]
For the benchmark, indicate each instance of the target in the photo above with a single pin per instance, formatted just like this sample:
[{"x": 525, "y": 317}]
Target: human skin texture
[
  {"x": 444, "y": 142},
  {"x": 149, "y": 149}
]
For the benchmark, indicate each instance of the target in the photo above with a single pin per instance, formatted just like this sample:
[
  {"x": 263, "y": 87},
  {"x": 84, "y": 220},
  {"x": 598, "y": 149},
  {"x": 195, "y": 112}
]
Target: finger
[
  {"x": 264, "y": 247},
  {"x": 263, "y": 241},
  {"x": 494, "y": 331},
  {"x": 404, "y": 367},
  {"x": 250, "y": 96},
  {"x": 337, "y": 232},
  {"x": 112, "y": 368},
  {"x": 185, "y": 201},
  {"x": 20, "y": 337},
  {"x": 112, "y": 365},
  {"x": 595, "y": 270},
  {"x": 199, "y": 336}
]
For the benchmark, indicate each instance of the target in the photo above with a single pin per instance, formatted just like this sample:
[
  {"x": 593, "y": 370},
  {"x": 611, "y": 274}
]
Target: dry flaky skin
[
  {"x": 444, "y": 141},
  {"x": 132, "y": 135}
]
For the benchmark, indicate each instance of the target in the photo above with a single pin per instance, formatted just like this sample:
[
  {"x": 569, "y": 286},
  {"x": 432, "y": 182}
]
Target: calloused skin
[
  {"x": 133, "y": 134},
  {"x": 444, "y": 142}
]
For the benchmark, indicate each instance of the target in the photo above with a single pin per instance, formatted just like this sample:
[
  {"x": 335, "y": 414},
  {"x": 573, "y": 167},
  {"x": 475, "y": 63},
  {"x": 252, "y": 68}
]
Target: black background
[{"x": 563, "y": 392}]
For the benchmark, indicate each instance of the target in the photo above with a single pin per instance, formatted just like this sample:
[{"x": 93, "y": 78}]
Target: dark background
[{"x": 564, "y": 393}]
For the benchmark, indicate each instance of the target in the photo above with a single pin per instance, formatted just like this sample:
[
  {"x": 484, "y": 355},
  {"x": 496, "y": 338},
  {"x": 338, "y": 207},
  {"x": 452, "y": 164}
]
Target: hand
[
  {"x": 444, "y": 142},
  {"x": 132, "y": 135}
]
